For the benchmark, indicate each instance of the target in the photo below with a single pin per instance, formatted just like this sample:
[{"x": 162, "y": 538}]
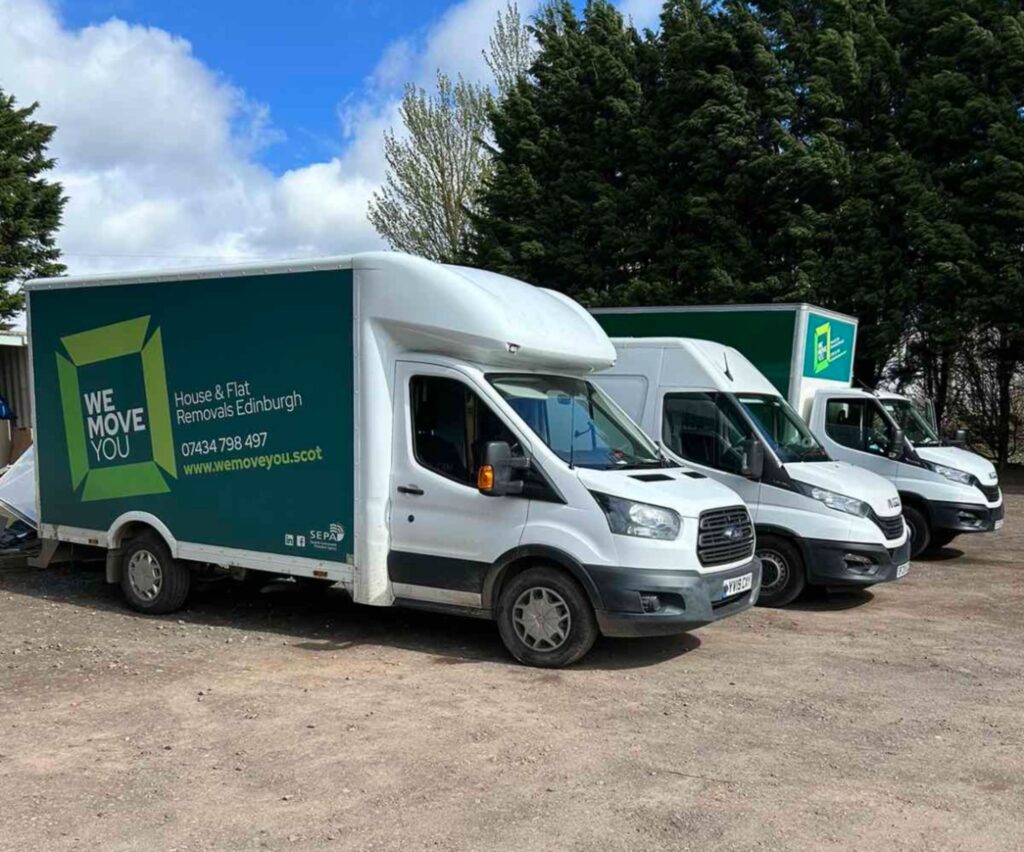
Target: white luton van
[
  {"x": 807, "y": 353},
  {"x": 424, "y": 435},
  {"x": 818, "y": 521}
]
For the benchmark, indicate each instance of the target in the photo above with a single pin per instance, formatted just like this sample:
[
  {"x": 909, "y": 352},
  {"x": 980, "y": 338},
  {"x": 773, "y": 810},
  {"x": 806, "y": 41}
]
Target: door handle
[{"x": 414, "y": 490}]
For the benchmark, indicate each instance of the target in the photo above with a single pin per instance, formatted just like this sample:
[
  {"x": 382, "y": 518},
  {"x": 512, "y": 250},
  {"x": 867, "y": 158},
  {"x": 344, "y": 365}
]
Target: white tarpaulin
[{"x": 18, "y": 488}]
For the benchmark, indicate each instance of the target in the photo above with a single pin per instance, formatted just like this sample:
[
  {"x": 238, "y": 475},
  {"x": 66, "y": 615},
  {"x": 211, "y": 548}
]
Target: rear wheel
[
  {"x": 917, "y": 529},
  {"x": 783, "y": 575},
  {"x": 545, "y": 618},
  {"x": 153, "y": 581}
]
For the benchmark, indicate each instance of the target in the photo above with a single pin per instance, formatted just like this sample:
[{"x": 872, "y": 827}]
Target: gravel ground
[{"x": 885, "y": 720}]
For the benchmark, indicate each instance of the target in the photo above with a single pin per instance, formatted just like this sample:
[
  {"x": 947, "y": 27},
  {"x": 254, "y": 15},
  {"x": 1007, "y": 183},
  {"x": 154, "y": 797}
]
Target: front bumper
[
  {"x": 847, "y": 563},
  {"x": 686, "y": 599},
  {"x": 964, "y": 517}
]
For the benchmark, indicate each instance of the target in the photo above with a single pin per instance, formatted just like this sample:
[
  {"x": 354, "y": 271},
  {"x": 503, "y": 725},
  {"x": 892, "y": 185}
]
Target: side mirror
[
  {"x": 753, "y": 459},
  {"x": 962, "y": 438},
  {"x": 494, "y": 478},
  {"x": 899, "y": 443}
]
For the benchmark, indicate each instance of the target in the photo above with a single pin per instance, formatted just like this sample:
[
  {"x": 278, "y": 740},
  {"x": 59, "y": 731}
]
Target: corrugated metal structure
[{"x": 14, "y": 376}]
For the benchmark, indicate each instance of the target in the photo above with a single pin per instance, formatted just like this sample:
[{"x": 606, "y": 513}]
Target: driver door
[{"x": 445, "y": 534}]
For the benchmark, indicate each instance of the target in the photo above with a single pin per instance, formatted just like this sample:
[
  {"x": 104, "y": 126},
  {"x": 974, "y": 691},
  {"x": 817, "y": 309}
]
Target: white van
[
  {"x": 818, "y": 521},
  {"x": 946, "y": 490},
  {"x": 423, "y": 435}
]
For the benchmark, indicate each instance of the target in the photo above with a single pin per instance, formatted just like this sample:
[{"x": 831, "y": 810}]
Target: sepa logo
[
  {"x": 117, "y": 419},
  {"x": 328, "y": 539}
]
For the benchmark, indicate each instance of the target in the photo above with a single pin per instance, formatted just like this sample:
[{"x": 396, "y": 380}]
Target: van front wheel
[
  {"x": 151, "y": 580},
  {"x": 917, "y": 528},
  {"x": 545, "y": 618},
  {"x": 782, "y": 571}
]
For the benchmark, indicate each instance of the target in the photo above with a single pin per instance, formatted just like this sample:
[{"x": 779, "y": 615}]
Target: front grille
[
  {"x": 725, "y": 535},
  {"x": 991, "y": 492},
  {"x": 891, "y": 527}
]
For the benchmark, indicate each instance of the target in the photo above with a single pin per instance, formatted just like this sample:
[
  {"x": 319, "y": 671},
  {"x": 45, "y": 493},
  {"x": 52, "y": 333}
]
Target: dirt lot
[{"x": 892, "y": 720}]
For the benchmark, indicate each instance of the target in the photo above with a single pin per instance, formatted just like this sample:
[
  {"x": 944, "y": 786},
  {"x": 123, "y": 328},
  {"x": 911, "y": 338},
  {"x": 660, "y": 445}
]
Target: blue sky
[
  {"x": 302, "y": 59},
  {"x": 192, "y": 133}
]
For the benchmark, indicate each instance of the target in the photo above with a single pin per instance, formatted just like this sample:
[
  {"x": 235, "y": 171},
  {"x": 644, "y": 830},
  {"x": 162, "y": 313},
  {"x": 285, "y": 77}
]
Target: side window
[
  {"x": 705, "y": 428},
  {"x": 859, "y": 425},
  {"x": 451, "y": 426}
]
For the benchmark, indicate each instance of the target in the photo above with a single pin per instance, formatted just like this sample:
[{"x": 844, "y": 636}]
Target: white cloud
[{"x": 158, "y": 153}]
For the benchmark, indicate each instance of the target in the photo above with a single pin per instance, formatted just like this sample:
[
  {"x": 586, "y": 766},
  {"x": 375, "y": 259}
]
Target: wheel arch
[
  {"x": 518, "y": 559},
  {"x": 783, "y": 532},
  {"x": 127, "y": 526},
  {"x": 909, "y": 498}
]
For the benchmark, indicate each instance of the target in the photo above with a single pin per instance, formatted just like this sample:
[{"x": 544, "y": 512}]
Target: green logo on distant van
[
  {"x": 828, "y": 350},
  {"x": 117, "y": 418},
  {"x": 822, "y": 347}
]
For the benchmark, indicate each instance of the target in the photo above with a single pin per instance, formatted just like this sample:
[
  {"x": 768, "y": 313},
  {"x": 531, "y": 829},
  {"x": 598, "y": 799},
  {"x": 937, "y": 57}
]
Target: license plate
[
  {"x": 737, "y": 585},
  {"x": 999, "y": 524},
  {"x": 902, "y": 570}
]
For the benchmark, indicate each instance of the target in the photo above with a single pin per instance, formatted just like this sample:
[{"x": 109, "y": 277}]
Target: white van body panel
[{"x": 649, "y": 369}]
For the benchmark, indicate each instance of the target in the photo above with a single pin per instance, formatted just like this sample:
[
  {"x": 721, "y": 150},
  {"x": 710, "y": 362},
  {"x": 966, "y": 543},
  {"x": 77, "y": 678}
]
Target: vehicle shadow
[
  {"x": 940, "y": 554},
  {"x": 818, "y": 599},
  {"x": 322, "y": 620}
]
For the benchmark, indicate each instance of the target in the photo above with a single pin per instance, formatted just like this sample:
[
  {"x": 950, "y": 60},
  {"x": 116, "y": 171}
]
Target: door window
[
  {"x": 705, "y": 428},
  {"x": 859, "y": 424},
  {"x": 451, "y": 427}
]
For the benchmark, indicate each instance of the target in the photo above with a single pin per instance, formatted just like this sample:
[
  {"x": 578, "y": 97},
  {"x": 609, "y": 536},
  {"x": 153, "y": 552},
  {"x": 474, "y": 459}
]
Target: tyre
[
  {"x": 941, "y": 539},
  {"x": 545, "y": 618},
  {"x": 783, "y": 574},
  {"x": 152, "y": 581},
  {"x": 917, "y": 529}
]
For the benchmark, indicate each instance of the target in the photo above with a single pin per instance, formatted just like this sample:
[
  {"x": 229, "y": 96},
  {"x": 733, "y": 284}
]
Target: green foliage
[
  {"x": 860, "y": 154},
  {"x": 559, "y": 199},
  {"x": 438, "y": 159},
  {"x": 30, "y": 205},
  {"x": 434, "y": 169}
]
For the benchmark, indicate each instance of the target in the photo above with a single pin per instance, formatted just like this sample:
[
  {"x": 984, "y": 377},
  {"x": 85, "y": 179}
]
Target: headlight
[
  {"x": 960, "y": 476},
  {"x": 627, "y": 517},
  {"x": 839, "y": 502}
]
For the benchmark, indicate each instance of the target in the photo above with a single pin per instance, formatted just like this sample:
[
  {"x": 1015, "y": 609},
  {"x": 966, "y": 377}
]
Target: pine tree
[
  {"x": 722, "y": 210},
  {"x": 30, "y": 205},
  {"x": 557, "y": 207},
  {"x": 963, "y": 122}
]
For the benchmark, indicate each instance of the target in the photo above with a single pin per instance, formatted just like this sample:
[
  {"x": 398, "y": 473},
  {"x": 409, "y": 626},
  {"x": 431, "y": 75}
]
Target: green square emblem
[{"x": 117, "y": 450}]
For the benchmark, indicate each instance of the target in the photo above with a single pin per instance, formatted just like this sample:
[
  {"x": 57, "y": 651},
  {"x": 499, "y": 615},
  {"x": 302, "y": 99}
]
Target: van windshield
[
  {"x": 914, "y": 425},
  {"x": 577, "y": 421},
  {"x": 782, "y": 428}
]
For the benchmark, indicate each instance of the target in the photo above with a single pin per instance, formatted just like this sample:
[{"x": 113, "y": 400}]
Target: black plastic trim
[{"x": 437, "y": 572}]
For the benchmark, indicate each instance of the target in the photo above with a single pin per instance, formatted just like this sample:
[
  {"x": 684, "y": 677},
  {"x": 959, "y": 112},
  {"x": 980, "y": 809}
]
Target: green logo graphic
[
  {"x": 117, "y": 449},
  {"x": 822, "y": 347},
  {"x": 828, "y": 348}
]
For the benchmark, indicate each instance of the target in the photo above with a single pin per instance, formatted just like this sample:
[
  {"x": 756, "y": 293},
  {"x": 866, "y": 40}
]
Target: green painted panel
[
  {"x": 828, "y": 348},
  {"x": 222, "y": 406},
  {"x": 765, "y": 337}
]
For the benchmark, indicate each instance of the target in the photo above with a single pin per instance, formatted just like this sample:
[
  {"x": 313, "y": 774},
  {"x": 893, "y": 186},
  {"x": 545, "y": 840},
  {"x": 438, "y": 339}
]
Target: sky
[{"x": 192, "y": 134}]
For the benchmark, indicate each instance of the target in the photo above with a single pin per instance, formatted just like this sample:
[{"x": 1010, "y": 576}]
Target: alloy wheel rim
[
  {"x": 776, "y": 563},
  {"x": 541, "y": 619},
  {"x": 145, "y": 575}
]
